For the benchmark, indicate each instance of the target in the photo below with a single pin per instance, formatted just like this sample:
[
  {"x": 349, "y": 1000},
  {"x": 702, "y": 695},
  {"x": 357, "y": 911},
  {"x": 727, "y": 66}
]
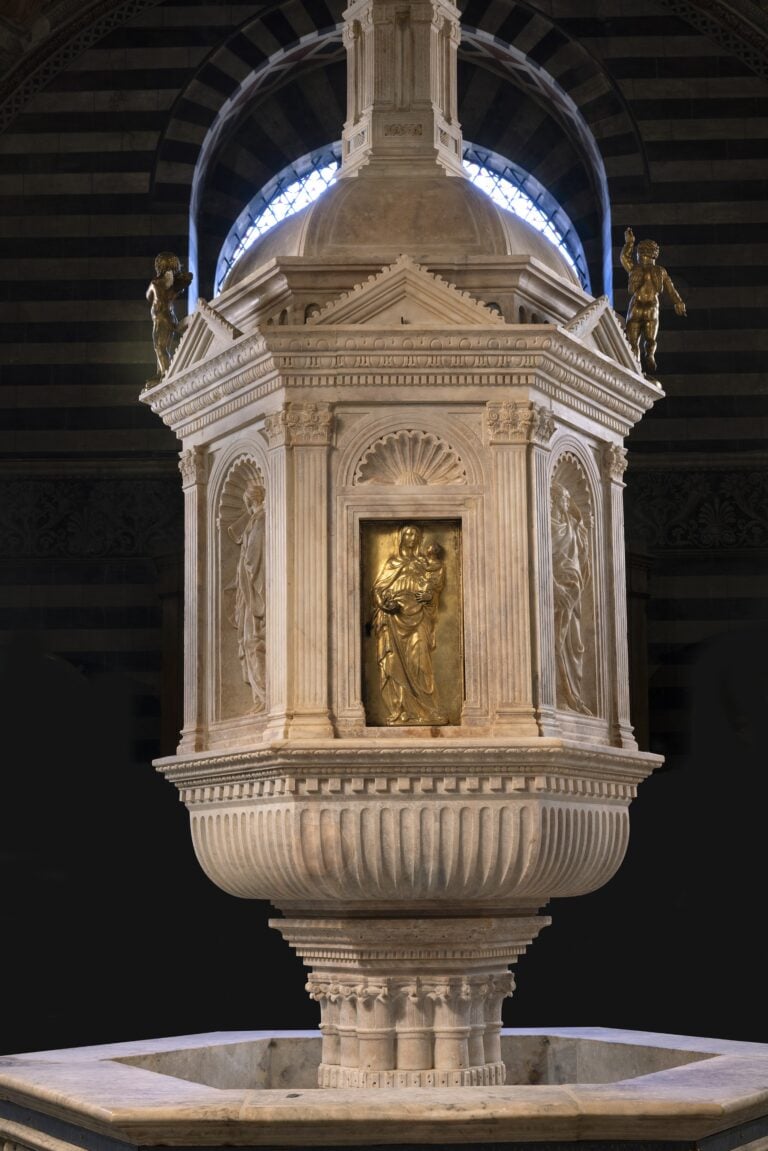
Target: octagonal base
[{"x": 567, "y": 1087}]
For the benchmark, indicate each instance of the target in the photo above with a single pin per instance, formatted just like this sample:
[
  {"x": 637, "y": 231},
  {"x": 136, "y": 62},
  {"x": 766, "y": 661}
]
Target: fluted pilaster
[
  {"x": 193, "y": 465},
  {"x": 614, "y": 466}
]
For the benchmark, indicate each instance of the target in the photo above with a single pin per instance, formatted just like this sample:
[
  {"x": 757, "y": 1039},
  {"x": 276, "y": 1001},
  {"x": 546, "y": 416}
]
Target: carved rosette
[
  {"x": 519, "y": 423},
  {"x": 193, "y": 465},
  {"x": 615, "y": 462},
  {"x": 300, "y": 425},
  {"x": 428, "y": 1025}
]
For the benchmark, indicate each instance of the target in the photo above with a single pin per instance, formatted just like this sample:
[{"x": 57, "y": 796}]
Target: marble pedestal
[{"x": 565, "y": 1088}]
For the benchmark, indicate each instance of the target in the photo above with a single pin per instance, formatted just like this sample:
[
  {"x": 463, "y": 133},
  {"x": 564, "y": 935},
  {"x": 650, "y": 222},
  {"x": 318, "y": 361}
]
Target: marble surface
[{"x": 255, "y": 1088}]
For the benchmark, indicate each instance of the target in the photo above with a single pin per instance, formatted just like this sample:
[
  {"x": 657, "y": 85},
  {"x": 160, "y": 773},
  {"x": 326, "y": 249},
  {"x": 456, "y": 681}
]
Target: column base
[{"x": 410, "y": 1002}]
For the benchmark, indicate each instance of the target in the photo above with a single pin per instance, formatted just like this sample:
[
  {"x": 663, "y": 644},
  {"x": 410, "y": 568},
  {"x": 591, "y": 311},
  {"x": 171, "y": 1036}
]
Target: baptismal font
[{"x": 406, "y": 688}]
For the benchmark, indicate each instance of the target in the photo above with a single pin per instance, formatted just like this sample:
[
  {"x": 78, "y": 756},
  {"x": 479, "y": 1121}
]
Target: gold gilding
[
  {"x": 413, "y": 664},
  {"x": 647, "y": 280}
]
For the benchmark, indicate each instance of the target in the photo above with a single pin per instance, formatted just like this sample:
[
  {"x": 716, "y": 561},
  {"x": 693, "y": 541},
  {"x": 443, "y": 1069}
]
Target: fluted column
[
  {"x": 300, "y": 436},
  {"x": 193, "y": 464},
  {"x": 614, "y": 466},
  {"x": 514, "y": 431}
]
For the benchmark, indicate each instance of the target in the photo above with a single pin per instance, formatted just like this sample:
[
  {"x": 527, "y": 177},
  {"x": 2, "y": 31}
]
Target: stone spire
[{"x": 401, "y": 86}]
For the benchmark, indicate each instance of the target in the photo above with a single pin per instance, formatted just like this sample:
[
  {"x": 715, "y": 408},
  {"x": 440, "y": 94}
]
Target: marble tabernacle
[
  {"x": 406, "y": 705},
  {"x": 406, "y": 712}
]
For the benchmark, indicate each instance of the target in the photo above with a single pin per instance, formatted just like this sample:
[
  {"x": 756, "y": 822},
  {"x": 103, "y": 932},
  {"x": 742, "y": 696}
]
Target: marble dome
[{"x": 376, "y": 217}]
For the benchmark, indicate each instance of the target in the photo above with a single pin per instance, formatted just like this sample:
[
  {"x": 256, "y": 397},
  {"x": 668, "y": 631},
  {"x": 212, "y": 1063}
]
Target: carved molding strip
[
  {"x": 38, "y": 68},
  {"x": 737, "y": 32},
  {"x": 428, "y": 786}
]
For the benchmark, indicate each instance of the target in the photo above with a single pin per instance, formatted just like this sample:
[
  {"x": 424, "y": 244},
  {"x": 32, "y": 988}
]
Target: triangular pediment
[
  {"x": 598, "y": 326},
  {"x": 206, "y": 333},
  {"x": 406, "y": 293}
]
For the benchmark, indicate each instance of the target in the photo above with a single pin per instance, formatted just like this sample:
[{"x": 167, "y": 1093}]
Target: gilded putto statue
[
  {"x": 647, "y": 280},
  {"x": 168, "y": 283}
]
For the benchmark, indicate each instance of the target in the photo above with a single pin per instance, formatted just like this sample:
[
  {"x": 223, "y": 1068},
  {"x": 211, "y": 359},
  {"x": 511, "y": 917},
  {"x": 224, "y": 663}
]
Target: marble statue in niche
[
  {"x": 406, "y": 596},
  {"x": 249, "y": 614},
  {"x": 571, "y": 570}
]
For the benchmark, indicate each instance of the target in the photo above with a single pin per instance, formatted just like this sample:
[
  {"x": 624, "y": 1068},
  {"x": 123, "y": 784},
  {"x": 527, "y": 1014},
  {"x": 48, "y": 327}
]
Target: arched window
[{"x": 506, "y": 183}]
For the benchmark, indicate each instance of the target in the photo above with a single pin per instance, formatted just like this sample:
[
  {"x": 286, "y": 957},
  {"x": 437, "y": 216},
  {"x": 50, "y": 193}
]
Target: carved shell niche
[
  {"x": 569, "y": 472},
  {"x": 241, "y": 476},
  {"x": 410, "y": 457}
]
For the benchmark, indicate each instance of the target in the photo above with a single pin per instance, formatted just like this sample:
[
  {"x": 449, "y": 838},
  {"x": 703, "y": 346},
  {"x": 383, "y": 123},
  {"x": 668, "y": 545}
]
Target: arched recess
[
  {"x": 293, "y": 102},
  {"x": 578, "y": 584},
  {"x": 385, "y": 451},
  {"x": 238, "y": 579}
]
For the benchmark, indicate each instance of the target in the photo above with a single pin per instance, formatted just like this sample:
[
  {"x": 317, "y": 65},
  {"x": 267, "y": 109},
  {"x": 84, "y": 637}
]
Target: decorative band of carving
[
  {"x": 403, "y": 129},
  {"x": 489, "y": 1075},
  {"x": 299, "y": 424},
  {"x": 193, "y": 465},
  {"x": 615, "y": 461},
  {"x": 429, "y": 785},
  {"x": 519, "y": 423}
]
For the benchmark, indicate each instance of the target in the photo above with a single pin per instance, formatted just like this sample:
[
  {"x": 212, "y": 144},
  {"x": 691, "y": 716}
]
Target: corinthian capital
[
  {"x": 519, "y": 423},
  {"x": 298, "y": 424},
  {"x": 615, "y": 461},
  {"x": 193, "y": 465}
]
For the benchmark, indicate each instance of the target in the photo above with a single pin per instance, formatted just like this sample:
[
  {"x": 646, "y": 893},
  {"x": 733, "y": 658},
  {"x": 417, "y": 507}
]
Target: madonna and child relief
[{"x": 411, "y": 596}]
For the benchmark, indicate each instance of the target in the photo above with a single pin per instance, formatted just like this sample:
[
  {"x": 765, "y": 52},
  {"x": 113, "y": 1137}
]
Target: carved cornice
[
  {"x": 432, "y": 786},
  {"x": 300, "y": 425},
  {"x": 193, "y": 465},
  {"x": 356, "y": 765},
  {"x": 587, "y": 318},
  {"x": 202, "y": 387},
  {"x": 258, "y": 366},
  {"x": 519, "y": 423},
  {"x": 216, "y": 321}
]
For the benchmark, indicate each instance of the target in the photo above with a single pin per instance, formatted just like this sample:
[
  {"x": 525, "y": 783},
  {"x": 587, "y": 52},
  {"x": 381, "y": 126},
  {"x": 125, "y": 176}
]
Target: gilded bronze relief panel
[{"x": 411, "y": 597}]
